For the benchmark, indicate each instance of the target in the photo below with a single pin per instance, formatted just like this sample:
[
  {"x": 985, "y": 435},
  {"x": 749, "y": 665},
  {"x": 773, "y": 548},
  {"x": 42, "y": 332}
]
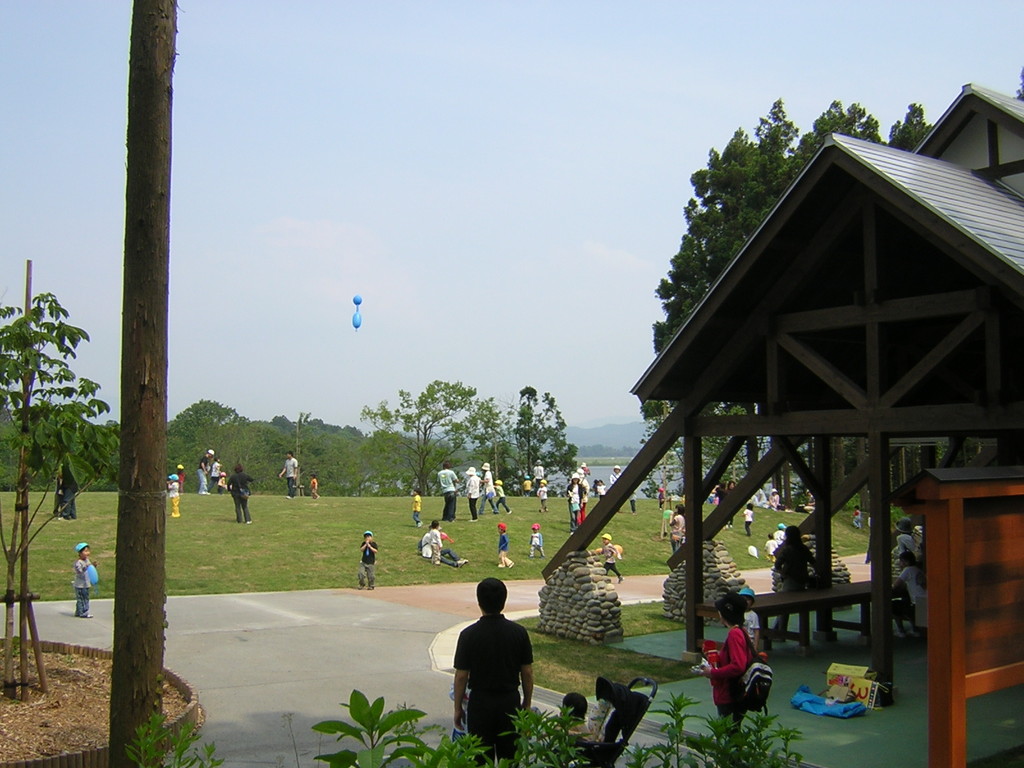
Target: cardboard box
[{"x": 859, "y": 680}]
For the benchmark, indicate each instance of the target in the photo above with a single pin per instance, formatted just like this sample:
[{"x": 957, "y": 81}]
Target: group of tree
[
  {"x": 448, "y": 421},
  {"x": 404, "y": 450}
]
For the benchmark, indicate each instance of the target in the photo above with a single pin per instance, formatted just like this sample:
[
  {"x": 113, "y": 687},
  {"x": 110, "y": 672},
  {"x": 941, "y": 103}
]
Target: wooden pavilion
[{"x": 881, "y": 298}]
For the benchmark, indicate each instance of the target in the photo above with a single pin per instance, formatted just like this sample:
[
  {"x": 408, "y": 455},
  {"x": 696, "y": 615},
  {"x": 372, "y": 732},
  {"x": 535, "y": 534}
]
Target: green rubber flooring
[{"x": 894, "y": 737}]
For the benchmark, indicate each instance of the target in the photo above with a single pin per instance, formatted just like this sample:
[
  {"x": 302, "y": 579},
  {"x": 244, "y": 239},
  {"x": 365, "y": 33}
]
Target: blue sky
[{"x": 502, "y": 182}]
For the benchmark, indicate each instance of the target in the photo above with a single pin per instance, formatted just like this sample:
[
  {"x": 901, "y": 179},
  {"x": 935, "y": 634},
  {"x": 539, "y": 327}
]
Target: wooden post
[
  {"x": 881, "y": 556},
  {"x": 693, "y": 547}
]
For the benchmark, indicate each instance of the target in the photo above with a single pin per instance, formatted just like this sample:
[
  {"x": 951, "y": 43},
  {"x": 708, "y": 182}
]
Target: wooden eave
[
  {"x": 942, "y": 484},
  {"x": 732, "y": 321},
  {"x": 959, "y": 114}
]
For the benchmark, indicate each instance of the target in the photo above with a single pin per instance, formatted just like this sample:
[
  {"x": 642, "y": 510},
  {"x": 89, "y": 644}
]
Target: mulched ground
[{"x": 72, "y": 716}]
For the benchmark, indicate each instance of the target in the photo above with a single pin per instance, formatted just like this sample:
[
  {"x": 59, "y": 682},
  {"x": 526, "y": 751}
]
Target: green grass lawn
[{"x": 306, "y": 544}]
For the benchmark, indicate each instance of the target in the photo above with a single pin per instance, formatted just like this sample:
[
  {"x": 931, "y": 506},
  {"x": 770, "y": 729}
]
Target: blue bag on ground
[{"x": 806, "y": 701}]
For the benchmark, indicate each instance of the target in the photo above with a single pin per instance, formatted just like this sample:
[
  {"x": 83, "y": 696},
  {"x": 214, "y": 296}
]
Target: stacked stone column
[
  {"x": 579, "y": 602},
  {"x": 720, "y": 576}
]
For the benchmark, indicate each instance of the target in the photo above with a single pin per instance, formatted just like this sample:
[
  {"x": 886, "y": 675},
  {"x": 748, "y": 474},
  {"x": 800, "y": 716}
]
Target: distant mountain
[{"x": 611, "y": 439}]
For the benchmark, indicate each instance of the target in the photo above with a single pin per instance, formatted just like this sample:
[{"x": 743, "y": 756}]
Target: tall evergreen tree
[
  {"x": 740, "y": 185},
  {"x": 908, "y": 132},
  {"x": 540, "y": 434}
]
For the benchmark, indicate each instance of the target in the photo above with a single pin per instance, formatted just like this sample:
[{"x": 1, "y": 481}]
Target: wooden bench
[{"x": 801, "y": 604}]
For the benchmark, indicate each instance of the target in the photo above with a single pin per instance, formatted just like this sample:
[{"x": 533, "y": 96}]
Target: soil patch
[{"x": 73, "y": 716}]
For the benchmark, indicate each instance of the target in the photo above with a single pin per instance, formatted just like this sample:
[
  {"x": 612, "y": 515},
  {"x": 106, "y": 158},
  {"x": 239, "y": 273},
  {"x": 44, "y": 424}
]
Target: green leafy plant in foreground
[
  {"x": 156, "y": 746},
  {"x": 757, "y": 743},
  {"x": 384, "y": 736}
]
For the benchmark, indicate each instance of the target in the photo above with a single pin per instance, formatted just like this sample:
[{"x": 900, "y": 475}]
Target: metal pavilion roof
[{"x": 988, "y": 212}]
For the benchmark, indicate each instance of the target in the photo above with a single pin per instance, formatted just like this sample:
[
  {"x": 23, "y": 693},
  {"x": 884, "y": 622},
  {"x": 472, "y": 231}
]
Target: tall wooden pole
[{"x": 140, "y": 579}]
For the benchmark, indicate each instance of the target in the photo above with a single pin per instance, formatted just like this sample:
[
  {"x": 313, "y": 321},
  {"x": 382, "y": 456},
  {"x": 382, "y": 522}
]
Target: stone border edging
[{"x": 99, "y": 757}]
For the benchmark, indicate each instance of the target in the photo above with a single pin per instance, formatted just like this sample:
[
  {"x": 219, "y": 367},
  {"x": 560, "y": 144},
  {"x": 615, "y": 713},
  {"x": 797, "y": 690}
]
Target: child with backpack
[{"x": 733, "y": 659}]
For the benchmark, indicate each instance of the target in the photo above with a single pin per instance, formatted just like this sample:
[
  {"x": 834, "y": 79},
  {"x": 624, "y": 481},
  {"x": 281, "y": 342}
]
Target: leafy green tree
[
  {"x": 489, "y": 428},
  {"x": 201, "y": 426},
  {"x": 740, "y": 185},
  {"x": 422, "y": 431},
  {"x": 909, "y": 132},
  {"x": 850, "y": 121},
  {"x": 53, "y": 416},
  {"x": 733, "y": 193},
  {"x": 539, "y": 434}
]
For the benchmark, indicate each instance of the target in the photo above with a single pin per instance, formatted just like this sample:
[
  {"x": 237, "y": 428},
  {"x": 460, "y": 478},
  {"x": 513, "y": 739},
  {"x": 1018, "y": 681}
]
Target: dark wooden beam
[
  {"x": 692, "y": 550},
  {"x": 632, "y": 476},
  {"x": 967, "y": 418},
  {"x": 813, "y": 481},
  {"x": 881, "y": 558},
  {"x": 745, "y": 488},
  {"x": 993, "y": 358},
  {"x": 838, "y": 381},
  {"x": 931, "y": 361},
  {"x": 1001, "y": 170},
  {"x": 738, "y": 346},
  {"x": 948, "y": 304},
  {"x": 821, "y": 520},
  {"x": 722, "y": 463}
]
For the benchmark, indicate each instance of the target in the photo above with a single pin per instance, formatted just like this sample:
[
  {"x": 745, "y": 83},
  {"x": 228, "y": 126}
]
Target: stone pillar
[
  {"x": 579, "y": 602},
  {"x": 720, "y": 576}
]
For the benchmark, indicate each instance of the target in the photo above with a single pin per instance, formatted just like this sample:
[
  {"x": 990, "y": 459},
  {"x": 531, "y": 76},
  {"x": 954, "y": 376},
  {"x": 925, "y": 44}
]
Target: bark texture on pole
[{"x": 139, "y": 606}]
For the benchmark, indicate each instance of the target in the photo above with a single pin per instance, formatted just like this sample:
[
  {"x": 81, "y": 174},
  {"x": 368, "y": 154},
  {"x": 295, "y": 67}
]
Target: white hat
[
  {"x": 471, "y": 471},
  {"x": 616, "y": 467},
  {"x": 576, "y": 476},
  {"x": 485, "y": 467},
  {"x": 210, "y": 451}
]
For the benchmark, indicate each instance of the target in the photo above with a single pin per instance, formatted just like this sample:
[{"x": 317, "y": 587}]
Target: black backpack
[{"x": 755, "y": 684}]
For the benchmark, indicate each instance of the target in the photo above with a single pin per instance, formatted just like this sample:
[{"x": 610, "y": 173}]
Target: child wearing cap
[
  {"x": 536, "y": 541},
  {"x": 174, "y": 493},
  {"x": 542, "y": 494},
  {"x": 751, "y": 623},
  {"x": 503, "y": 560},
  {"x": 81, "y": 582},
  {"x": 368, "y": 561},
  {"x": 611, "y": 554},
  {"x": 500, "y": 500}
]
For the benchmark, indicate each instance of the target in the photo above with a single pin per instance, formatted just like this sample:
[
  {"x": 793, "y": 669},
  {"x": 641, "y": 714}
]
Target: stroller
[{"x": 628, "y": 707}]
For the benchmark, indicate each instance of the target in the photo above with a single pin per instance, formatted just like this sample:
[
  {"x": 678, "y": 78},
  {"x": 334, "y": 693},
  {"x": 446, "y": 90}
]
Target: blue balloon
[
  {"x": 357, "y": 320},
  {"x": 357, "y": 299}
]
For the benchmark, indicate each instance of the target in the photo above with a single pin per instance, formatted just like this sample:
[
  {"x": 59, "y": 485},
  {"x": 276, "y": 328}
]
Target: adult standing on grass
[
  {"x": 487, "y": 486},
  {"x": 290, "y": 472},
  {"x": 538, "y": 472},
  {"x": 733, "y": 659},
  {"x": 472, "y": 492},
  {"x": 493, "y": 657},
  {"x": 238, "y": 487},
  {"x": 615, "y": 475},
  {"x": 203, "y": 472},
  {"x": 447, "y": 479}
]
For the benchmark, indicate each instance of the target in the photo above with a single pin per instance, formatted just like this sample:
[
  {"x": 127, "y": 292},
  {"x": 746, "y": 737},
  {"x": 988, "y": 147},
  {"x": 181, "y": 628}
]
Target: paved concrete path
[{"x": 268, "y": 666}]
